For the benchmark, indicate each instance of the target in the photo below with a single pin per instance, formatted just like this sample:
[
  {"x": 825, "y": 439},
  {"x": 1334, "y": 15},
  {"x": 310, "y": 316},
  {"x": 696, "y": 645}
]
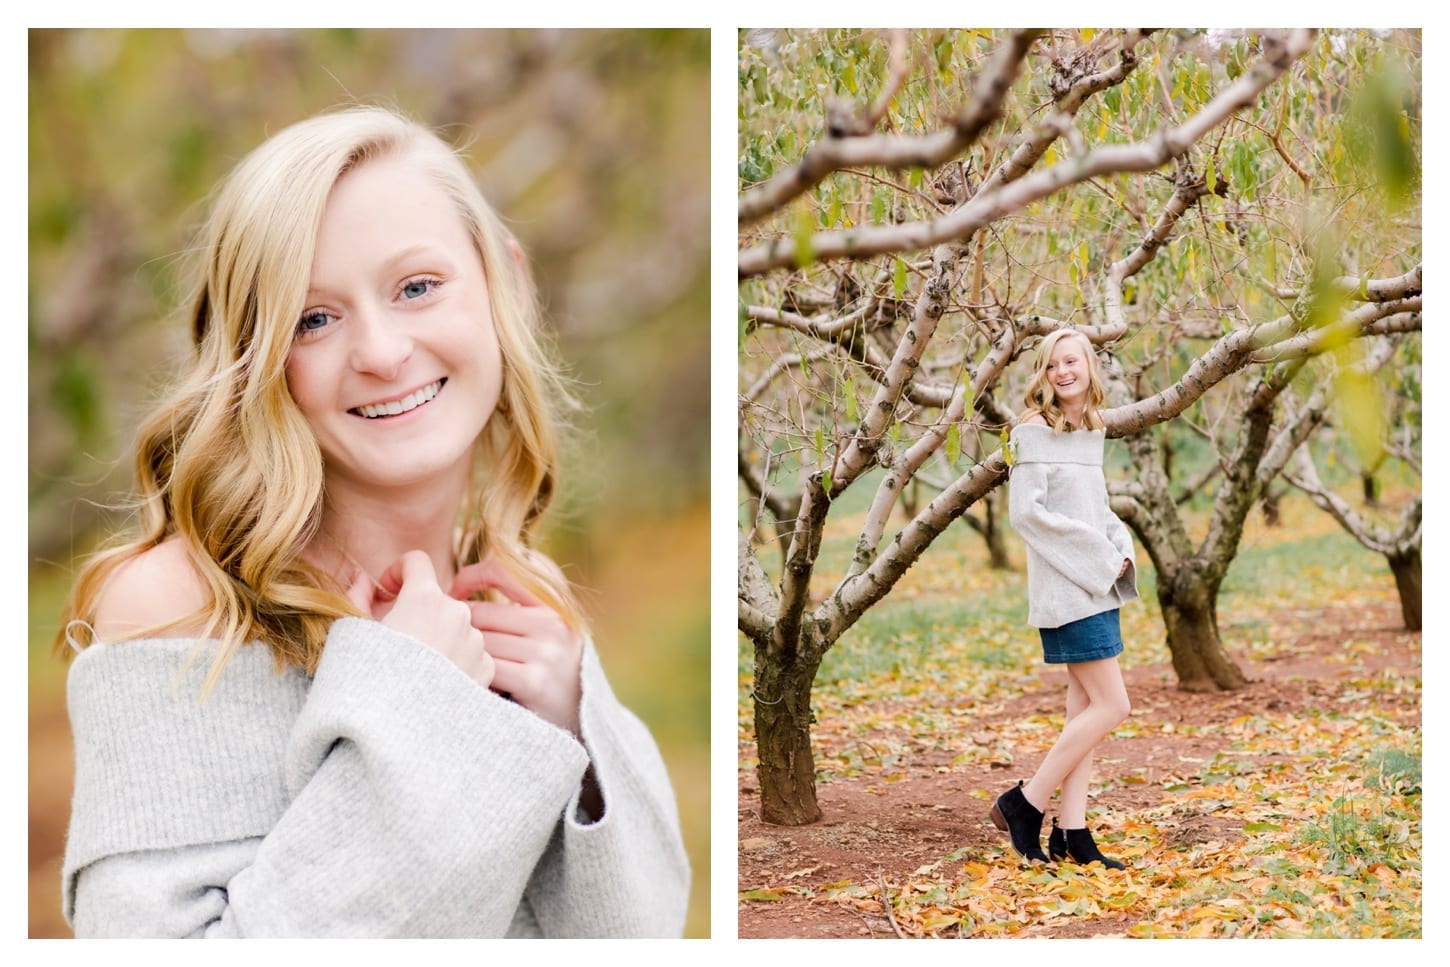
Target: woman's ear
[{"x": 516, "y": 251}]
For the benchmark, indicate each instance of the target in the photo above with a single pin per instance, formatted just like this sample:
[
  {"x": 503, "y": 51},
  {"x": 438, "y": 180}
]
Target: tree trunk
[
  {"x": 1270, "y": 503},
  {"x": 995, "y": 532},
  {"x": 1190, "y": 613},
  {"x": 1406, "y": 568},
  {"x": 1371, "y": 489},
  {"x": 787, "y": 770}
]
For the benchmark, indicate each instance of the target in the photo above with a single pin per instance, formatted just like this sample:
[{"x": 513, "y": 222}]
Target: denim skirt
[{"x": 1087, "y": 639}]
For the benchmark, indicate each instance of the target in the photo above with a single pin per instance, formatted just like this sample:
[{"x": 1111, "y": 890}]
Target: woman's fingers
[
  {"x": 513, "y": 619},
  {"x": 360, "y": 593},
  {"x": 412, "y": 566},
  {"x": 489, "y": 573},
  {"x": 421, "y": 609}
]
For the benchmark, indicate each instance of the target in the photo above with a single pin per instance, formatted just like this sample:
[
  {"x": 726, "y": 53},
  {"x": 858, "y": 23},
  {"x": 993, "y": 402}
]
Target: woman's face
[
  {"x": 1067, "y": 371},
  {"x": 395, "y": 363}
]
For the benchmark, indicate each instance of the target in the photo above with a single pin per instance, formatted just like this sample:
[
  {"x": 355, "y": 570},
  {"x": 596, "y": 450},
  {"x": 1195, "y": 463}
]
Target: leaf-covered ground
[{"x": 1290, "y": 808}]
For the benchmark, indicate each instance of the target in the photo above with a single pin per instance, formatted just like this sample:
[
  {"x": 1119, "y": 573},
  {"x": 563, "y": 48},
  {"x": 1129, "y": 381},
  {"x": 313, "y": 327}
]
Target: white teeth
[{"x": 410, "y": 402}]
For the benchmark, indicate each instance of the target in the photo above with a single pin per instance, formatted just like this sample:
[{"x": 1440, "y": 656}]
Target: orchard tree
[
  {"x": 918, "y": 208},
  {"x": 1371, "y": 443}
]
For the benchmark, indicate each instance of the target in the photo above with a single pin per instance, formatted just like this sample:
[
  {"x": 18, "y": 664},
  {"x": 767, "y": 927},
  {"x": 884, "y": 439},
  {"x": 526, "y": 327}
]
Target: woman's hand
[
  {"x": 1124, "y": 569},
  {"x": 536, "y": 656},
  {"x": 409, "y": 599}
]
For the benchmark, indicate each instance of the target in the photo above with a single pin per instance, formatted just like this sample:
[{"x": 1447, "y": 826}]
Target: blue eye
[
  {"x": 418, "y": 288},
  {"x": 311, "y": 323}
]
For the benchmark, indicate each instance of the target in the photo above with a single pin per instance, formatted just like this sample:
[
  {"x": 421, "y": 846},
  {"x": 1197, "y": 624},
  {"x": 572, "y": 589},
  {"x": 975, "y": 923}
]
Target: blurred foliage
[{"x": 593, "y": 145}]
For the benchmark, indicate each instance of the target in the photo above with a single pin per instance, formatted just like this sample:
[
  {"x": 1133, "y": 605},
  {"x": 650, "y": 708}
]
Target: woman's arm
[
  {"x": 625, "y": 874},
  {"x": 392, "y": 797},
  {"x": 1072, "y": 547}
]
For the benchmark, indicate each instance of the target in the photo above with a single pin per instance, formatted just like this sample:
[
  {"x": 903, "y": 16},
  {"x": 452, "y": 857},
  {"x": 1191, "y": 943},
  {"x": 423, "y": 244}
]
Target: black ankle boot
[
  {"x": 1056, "y": 842},
  {"x": 1078, "y": 845},
  {"x": 1017, "y": 817}
]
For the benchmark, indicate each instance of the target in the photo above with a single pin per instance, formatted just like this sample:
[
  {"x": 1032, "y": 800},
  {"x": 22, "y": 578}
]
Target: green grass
[{"x": 950, "y": 608}]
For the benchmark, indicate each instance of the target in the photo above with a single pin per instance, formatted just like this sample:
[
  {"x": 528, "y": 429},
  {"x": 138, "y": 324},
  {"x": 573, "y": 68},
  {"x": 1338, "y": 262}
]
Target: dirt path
[{"x": 873, "y": 830}]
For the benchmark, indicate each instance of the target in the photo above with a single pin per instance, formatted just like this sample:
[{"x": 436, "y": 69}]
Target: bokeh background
[{"x": 593, "y": 145}]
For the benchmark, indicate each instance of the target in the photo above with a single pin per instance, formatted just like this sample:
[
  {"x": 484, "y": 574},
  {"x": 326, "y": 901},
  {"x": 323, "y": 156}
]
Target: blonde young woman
[
  {"x": 1080, "y": 570},
  {"x": 327, "y": 687}
]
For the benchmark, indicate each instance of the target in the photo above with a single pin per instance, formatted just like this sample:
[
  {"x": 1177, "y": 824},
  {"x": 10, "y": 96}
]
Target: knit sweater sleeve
[
  {"x": 626, "y": 875},
  {"x": 1077, "y": 550},
  {"x": 409, "y": 801},
  {"x": 1118, "y": 533}
]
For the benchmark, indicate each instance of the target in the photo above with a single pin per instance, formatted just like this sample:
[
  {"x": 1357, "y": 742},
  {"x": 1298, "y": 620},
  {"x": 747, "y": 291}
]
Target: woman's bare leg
[
  {"x": 1072, "y": 799},
  {"x": 1101, "y": 682}
]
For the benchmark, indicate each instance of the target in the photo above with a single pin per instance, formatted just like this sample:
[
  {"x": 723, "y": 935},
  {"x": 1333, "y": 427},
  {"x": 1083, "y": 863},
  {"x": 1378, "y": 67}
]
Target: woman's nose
[{"x": 380, "y": 346}]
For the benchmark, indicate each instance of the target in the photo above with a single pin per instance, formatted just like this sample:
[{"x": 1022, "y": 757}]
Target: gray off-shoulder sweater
[
  {"x": 389, "y": 795},
  {"x": 1058, "y": 504}
]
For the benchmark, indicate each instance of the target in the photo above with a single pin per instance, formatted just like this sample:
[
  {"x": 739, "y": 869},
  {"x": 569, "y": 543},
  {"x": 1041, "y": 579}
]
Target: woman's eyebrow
[{"x": 392, "y": 262}]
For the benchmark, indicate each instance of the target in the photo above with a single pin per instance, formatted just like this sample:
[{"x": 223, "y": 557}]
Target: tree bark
[
  {"x": 1406, "y": 567},
  {"x": 1189, "y": 601},
  {"x": 787, "y": 768}
]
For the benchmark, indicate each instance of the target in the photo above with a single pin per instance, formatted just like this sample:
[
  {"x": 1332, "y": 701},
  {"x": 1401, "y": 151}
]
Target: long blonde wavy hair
[
  {"x": 228, "y": 464},
  {"x": 1042, "y": 398}
]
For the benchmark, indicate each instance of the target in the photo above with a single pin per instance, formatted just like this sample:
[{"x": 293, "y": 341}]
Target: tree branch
[
  {"x": 756, "y": 600},
  {"x": 987, "y": 207},
  {"x": 928, "y": 151}
]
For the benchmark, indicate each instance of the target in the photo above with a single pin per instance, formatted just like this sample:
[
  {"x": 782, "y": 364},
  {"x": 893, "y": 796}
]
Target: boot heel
[{"x": 1022, "y": 822}]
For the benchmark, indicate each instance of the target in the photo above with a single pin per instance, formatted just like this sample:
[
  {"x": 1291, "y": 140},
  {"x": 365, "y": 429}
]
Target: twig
[{"x": 886, "y": 902}]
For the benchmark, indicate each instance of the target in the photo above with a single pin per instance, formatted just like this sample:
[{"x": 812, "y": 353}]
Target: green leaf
[
  {"x": 805, "y": 227},
  {"x": 1361, "y": 414},
  {"x": 852, "y": 408},
  {"x": 953, "y": 444},
  {"x": 878, "y": 206},
  {"x": 898, "y": 278},
  {"x": 773, "y": 894},
  {"x": 833, "y": 210}
]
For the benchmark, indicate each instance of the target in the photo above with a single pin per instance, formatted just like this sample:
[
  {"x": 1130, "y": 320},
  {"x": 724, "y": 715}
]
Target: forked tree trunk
[
  {"x": 787, "y": 767},
  {"x": 1406, "y": 568},
  {"x": 1190, "y": 613}
]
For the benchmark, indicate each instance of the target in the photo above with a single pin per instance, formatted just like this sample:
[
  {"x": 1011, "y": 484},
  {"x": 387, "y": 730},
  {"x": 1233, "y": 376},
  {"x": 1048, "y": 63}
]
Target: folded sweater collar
[{"x": 1034, "y": 443}]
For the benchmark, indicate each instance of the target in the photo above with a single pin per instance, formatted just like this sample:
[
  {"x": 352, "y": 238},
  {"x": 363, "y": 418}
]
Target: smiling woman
[{"x": 404, "y": 729}]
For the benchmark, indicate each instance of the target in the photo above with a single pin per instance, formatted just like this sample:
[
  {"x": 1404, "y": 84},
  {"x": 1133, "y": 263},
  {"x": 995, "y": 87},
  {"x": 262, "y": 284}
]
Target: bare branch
[
  {"x": 1186, "y": 191},
  {"x": 988, "y": 206},
  {"x": 1306, "y": 478},
  {"x": 900, "y": 66},
  {"x": 784, "y": 364},
  {"x": 860, "y": 453},
  {"x": 1068, "y": 101},
  {"x": 756, "y": 600},
  {"x": 757, "y": 481},
  {"x": 800, "y": 560},
  {"x": 833, "y": 330},
  {"x": 887, "y": 151},
  {"x": 1383, "y": 290}
]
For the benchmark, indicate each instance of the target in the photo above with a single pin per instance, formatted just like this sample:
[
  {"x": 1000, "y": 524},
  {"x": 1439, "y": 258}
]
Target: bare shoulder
[
  {"x": 157, "y": 590},
  {"x": 1035, "y": 419}
]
